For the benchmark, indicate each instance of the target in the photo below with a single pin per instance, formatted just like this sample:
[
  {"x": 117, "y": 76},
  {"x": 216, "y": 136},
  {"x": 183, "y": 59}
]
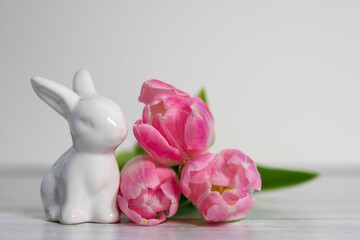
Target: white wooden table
[{"x": 326, "y": 208}]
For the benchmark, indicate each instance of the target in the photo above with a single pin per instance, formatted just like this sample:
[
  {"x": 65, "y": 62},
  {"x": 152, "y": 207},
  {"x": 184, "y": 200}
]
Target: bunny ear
[
  {"x": 83, "y": 84},
  {"x": 60, "y": 98}
]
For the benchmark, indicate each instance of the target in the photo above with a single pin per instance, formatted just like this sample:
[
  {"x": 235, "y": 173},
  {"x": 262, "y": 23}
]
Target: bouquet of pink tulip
[{"x": 174, "y": 134}]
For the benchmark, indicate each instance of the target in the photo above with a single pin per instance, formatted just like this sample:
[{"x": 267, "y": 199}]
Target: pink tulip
[
  {"x": 174, "y": 127},
  {"x": 149, "y": 192},
  {"x": 220, "y": 185}
]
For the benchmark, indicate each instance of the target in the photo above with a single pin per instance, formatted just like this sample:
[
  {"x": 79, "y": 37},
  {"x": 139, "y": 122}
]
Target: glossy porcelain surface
[{"x": 82, "y": 185}]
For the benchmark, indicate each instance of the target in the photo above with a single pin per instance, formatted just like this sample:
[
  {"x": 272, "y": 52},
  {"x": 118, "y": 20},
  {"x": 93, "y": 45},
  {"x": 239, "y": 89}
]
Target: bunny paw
[
  {"x": 52, "y": 212},
  {"x": 72, "y": 215},
  {"x": 111, "y": 216}
]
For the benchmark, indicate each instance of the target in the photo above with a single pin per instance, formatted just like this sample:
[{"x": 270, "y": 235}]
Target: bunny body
[{"x": 83, "y": 184}]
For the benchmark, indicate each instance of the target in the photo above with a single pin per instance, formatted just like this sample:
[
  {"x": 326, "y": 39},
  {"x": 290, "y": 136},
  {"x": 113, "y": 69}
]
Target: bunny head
[{"x": 97, "y": 124}]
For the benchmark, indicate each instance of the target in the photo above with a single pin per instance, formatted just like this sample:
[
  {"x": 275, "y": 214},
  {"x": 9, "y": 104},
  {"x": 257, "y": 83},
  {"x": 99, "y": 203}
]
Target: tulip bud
[
  {"x": 149, "y": 192},
  {"x": 220, "y": 185},
  {"x": 174, "y": 127}
]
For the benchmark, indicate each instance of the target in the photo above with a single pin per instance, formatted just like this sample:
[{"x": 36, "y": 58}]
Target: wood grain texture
[{"x": 326, "y": 208}]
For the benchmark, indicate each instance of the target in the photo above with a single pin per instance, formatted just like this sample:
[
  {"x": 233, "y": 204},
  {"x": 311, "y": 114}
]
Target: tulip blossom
[
  {"x": 220, "y": 185},
  {"x": 149, "y": 192},
  {"x": 175, "y": 127}
]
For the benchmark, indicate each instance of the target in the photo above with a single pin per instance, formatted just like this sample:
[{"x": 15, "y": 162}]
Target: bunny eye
[{"x": 87, "y": 122}]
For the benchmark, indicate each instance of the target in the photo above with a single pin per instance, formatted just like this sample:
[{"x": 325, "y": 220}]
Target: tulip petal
[
  {"x": 199, "y": 176},
  {"x": 135, "y": 217},
  {"x": 232, "y": 196},
  {"x": 158, "y": 200},
  {"x": 189, "y": 171},
  {"x": 254, "y": 178},
  {"x": 170, "y": 188},
  {"x": 170, "y": 179},
  {"x": 159, "y": 125},
  {"x": 155, "y": 109},
  {"x": 196, "y": 134},
  {"x": 172, "y": 101},
  {"x": 184, "y": 183},
  {"x": 155, "y": 144},
  {"x": 159, "y": 196},
  {"x": 199, "y": 106},
  {"x": 146, "y": 114},
  {"x": 217, "y": 213},
  {"x": 220, "y": 185},
  {"x": 202, "y": 108},
  {"x": 140, "y": 204},
  {"x": 229, "y": 153},
  {"x": 220, "y": 173},
  {"x": 154, "y": 87},
  {"x": 139, "y": 173},
  {"x": 171, "y": 195},
  {"x": 241, "y": 207},
  {"x": 249, "y": 176},
  {"x": 175, "y": 121},
  {"x": 199, "y": 129},
  {"x": 213, "y": 207},
  {"x": 199, "y": 191},
  {"x": 200, "y": 162}
]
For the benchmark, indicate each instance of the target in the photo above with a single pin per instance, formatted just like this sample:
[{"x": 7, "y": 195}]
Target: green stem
[
  {"x": 179, "y": 169},
  {"x": 184, "y": 203}
]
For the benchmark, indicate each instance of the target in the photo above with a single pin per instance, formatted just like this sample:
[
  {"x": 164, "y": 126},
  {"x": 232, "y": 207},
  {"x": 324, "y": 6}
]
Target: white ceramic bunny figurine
[{"x": 83, "y": 184}]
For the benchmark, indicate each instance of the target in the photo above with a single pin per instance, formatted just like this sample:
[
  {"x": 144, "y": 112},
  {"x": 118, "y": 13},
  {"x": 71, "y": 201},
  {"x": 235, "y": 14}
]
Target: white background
[{"x": 283, "y": 77}]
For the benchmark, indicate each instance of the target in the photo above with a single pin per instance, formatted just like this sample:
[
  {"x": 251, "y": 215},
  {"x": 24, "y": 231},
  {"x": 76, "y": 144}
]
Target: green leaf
[
  {"x": 138, "y": 150},
  {"x": 186, "y": 209},
  {"x": 277, "y": 178},
  {"x": 202, "y": 94},
  {"x": 124, "y": 156},
  {"x": 187, "y": 212}
]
